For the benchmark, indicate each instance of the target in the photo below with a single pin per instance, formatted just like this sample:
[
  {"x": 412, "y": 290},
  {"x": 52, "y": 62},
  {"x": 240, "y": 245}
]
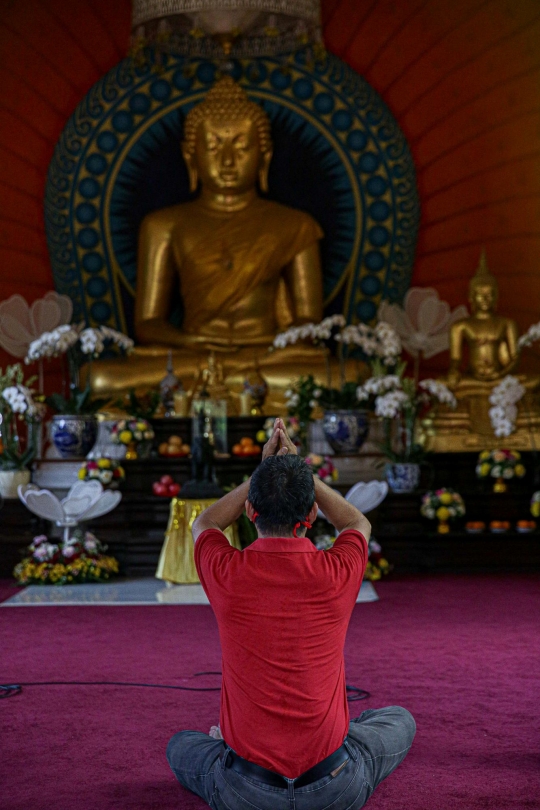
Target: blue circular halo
[{"x": 336, "y": 128}]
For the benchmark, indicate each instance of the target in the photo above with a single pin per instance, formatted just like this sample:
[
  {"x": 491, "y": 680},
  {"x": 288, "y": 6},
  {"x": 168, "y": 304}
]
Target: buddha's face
[
  {"x": 483, "y": 298},
  {"x": 227, "y": 155}
]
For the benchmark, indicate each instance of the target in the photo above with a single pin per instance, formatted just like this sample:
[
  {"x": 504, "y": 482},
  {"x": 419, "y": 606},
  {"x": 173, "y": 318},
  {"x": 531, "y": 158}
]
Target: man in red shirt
[{"x": 283, "y": 609}]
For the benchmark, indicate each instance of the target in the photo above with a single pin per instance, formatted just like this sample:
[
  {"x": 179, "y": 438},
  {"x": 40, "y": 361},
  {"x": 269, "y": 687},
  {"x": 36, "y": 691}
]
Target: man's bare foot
[{"x": 215, "y": 732}]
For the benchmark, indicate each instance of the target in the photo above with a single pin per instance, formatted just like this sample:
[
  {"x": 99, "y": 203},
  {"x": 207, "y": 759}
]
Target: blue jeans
[{"x": 378, "y": 742}]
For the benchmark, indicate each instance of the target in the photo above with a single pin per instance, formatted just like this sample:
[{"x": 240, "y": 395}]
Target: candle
[
  {"x": 245, "y": 403},
  {"x": 180, "y": 403}
]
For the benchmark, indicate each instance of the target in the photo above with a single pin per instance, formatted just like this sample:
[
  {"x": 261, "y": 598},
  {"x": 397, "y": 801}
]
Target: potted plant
[
  {"x": 345, "y": 422},
  {"x": 401, "y": 402},
  {"x": 17, "y": 407},
  {"x": 74, "y": 426}
]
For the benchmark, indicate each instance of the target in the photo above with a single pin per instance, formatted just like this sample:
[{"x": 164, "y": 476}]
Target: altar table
[{"x": 176, "y": 561}]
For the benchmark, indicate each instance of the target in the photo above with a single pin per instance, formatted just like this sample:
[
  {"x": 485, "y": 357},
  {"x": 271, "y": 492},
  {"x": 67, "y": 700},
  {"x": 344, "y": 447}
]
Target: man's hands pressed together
[
  {"x": 279, "y": 443},
  {"x": 342, "y": 514}
]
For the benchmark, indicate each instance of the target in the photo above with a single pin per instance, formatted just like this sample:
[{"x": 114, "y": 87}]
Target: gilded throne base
[{"x": 468, "y": 427}]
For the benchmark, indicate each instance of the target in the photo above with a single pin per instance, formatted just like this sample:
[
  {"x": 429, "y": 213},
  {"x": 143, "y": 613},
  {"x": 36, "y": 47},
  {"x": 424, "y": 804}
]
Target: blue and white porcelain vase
[
  {"x": 402, "y": 476},
  {"x": 345, "y": 431},
  {"x": 74, "y": 435}
]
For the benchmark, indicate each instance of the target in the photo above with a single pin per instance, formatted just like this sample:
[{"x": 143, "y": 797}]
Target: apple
[
  {"x": 173, "y": 490},
  {"x": 160, "y": 489},
  {"x": 167, "y": 480}
]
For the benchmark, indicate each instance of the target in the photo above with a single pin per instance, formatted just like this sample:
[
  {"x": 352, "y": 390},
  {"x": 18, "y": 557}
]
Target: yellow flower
[
  {"x": 335, "y": 474},
  {"x": 121, "y": 471},
  {"x": 261, "y": 436},
  {"x": 446, "y": 498},
  {"x": 442, "y": 513},
  {"x": 520, "y": 470},
  {"x": 484, "y": 455},
  {"x": 104, "y": 463},
  {"x": 126, "y": 436},
  {"x": 516, "y": 455},
  {"x": 535, "y": 509},
  {"x": 484, "y": 470},
  {"x": 141, "y": 425},
  {"x": 82, "y": 473}
]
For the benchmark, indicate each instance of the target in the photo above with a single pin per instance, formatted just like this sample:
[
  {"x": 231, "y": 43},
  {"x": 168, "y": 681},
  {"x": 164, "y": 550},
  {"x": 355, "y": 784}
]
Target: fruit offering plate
[{"x": 525, "y": 526}]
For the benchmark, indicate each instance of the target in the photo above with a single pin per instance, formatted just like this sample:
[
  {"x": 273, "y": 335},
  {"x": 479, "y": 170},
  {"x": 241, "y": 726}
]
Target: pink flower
[
  {"x": 91, "y": 465},
  {"x": 69, "y": 551},
  {"x": 41, "y": 538}
]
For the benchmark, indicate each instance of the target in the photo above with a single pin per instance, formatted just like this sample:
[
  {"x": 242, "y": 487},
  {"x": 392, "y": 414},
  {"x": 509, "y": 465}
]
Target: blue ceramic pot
[
  {"x": 345, "y": 431},
  {"x": 74, "y": 435},
  {"x": 402, "y": 477}
]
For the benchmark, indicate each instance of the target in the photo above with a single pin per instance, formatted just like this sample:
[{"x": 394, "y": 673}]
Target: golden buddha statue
[
  {"x": 491, "y": 343},
  {"x": 246, "y": 267}
]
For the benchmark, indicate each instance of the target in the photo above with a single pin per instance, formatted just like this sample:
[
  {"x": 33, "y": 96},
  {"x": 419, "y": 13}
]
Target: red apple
[
  {"x": 173, "y": 490},
  {"x": 167, "y": 480},
  {"x": 160, "y": 489}
]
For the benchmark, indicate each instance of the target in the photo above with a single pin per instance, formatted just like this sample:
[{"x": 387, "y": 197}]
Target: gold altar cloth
[{"x": 176, "y": 562}]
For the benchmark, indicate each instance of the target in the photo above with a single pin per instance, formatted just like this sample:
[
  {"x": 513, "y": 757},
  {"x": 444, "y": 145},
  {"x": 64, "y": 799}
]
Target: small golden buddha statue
[
  {"x": 491, "y": 338},
  {"x": 483, "y": 350},
  {"x": 246, "y": 267}
]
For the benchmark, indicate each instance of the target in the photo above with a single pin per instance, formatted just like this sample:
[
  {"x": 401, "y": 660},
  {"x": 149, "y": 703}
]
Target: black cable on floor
[{"x": 12, "y": 689}]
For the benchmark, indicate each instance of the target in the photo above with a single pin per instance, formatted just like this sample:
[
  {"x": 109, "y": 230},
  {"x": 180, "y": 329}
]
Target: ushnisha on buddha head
[
  {"x": 227, "y": 143},
  {"x": 483, "y": 289}
]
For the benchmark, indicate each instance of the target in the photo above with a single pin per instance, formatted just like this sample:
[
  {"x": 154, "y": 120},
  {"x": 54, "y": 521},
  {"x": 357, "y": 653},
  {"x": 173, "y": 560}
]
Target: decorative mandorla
[
  {"x": 423, "y": 322},
  {"x": 85, "y": 500}
]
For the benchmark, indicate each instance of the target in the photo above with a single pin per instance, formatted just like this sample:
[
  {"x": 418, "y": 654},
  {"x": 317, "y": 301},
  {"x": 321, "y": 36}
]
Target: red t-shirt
[{"x": 283, "y": 609}]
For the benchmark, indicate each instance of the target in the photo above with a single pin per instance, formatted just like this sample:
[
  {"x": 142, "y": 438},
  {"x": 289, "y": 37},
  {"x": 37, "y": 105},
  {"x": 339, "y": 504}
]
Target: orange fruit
[
  {"x": 238, "y": 449},
  {"x": 245, "y": 441},
  {"x": 163, "y": 449}
]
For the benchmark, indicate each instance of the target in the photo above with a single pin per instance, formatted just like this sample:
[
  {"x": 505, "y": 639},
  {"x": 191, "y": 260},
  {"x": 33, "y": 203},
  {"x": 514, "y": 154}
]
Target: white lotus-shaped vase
[
  {"x": 365, "y": 495},
  {"x": 21, "y": 323},
  {"x": 84, "y": 501},
  {"x": 423, "y": 322}
]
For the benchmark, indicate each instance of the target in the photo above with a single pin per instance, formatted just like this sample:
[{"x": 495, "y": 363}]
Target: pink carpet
[{"x": 462, "y": 653}]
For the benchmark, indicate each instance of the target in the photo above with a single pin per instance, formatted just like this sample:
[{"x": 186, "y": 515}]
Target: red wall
[{"x": 461, "y": 76}]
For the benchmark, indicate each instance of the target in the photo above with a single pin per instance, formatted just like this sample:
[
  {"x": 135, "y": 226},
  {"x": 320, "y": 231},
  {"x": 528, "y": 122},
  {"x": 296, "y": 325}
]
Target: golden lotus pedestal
[
  {"x": 176, "y": 561},
  {"x": 467, "y": 428}
]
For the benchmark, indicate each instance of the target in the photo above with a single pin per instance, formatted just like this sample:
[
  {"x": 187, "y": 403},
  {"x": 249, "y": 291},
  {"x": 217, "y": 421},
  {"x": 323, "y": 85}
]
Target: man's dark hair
[{"x": 282, "y": 492}]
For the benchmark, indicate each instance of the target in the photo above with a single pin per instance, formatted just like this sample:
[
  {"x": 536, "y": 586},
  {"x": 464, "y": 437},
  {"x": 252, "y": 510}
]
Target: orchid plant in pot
[
  {"x": 17, "y": 408},
  {"x": 74, "y": 426},
  {"x": 345, "y": 422},
  {"x": 400, "y": 403}
]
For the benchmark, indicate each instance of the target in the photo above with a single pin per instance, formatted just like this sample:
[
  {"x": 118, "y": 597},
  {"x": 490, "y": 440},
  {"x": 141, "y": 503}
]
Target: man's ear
[
  {"x": 250, "y": 511},
  {"x": 192, "y": 170},
  {"x": 263, "y": 171},
  {"x": 312, "y": 516}
]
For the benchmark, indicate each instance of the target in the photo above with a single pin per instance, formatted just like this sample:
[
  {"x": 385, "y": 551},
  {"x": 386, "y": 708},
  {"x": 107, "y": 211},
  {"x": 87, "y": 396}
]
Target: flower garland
[
  {"x": 80, "y": 559},
  {"x": 504, "y": 398}
]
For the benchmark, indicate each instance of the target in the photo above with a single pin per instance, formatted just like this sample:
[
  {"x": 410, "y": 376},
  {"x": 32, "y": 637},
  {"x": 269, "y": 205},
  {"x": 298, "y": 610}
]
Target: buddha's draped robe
[{"x": 243, "y": 251}]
